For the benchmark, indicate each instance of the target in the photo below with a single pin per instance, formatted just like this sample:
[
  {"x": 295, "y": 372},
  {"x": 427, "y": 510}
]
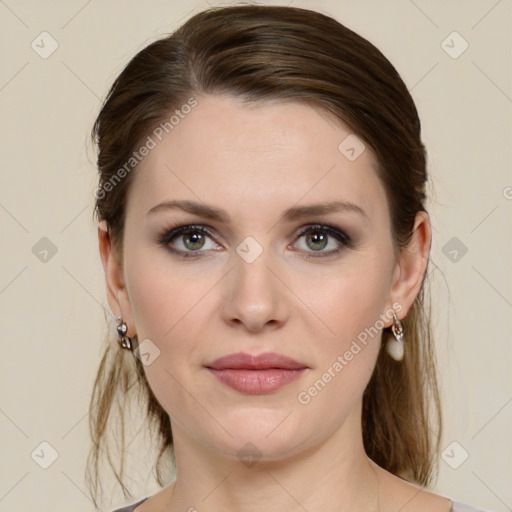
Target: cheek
[
  {"x": 166, "y": 308},
  {"x": 352, "y": 312},
  {"x": 349, "y": 300},
  {"x": 162, "y": 297},
  {"x": 345, "y": 360},
  {"x": 173, "y": 308}
]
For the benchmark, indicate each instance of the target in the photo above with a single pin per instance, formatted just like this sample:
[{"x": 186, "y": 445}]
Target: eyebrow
[{"x": 290, "y": 215}]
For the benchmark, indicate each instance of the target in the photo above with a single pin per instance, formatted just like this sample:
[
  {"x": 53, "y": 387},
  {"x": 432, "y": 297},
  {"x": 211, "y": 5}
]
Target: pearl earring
[{"x": 395, "y": 347}]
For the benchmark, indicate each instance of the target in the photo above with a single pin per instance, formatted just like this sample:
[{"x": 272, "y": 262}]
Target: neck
[{"x": 335, "y": 470}]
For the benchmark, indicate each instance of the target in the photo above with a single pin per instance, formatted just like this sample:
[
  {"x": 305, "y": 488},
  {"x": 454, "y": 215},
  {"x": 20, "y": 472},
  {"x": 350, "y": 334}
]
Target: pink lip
[{"x": 256, "y": 374}]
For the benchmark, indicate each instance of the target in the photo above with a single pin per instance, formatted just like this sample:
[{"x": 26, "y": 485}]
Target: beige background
[{"x": 52, "y": 319}]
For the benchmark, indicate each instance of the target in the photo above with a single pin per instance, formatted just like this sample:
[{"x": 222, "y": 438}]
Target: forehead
[{"x": 258, "y": 156}]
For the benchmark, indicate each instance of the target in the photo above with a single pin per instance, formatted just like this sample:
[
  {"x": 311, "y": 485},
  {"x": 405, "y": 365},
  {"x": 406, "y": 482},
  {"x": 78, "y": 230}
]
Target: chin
[{"x": 262, "y": 433}]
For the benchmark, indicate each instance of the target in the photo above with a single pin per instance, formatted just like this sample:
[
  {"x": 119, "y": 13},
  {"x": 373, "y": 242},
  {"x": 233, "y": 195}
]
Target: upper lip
[{"x": 264, "y": 361}]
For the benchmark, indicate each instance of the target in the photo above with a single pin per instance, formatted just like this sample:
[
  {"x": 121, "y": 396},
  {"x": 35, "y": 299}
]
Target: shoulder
[
  {"x": 410, "y": 497},
  {"x": 129, "y": 508}
]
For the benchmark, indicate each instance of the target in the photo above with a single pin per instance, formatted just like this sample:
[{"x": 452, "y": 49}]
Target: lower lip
[{"x": 256, "y": 382}]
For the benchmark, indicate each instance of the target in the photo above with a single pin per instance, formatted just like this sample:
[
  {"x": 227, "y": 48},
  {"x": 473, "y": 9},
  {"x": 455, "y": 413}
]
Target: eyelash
[{"x": 168, "y": 234}]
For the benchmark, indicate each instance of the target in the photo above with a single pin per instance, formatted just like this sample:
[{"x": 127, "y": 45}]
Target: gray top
[
  {"x": 457, "y": 506},
  {"x": 130, "y": 508}
]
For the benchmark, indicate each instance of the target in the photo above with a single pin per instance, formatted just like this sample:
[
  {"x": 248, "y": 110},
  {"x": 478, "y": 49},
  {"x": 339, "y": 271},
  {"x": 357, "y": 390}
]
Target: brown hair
[{"x": 260, "y": 53}]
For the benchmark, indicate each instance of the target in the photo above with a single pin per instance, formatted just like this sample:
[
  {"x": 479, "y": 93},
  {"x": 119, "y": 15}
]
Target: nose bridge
[{"x": 256, "y": 295}]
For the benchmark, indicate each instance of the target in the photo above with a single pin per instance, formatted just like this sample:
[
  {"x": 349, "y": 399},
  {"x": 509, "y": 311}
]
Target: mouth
[{"x": 256, "y": 374}]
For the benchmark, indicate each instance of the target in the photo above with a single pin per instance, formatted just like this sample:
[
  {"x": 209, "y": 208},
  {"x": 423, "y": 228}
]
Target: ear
[
  {"x": 117, "y": 293},
  {"x": 412, "y": 265}
]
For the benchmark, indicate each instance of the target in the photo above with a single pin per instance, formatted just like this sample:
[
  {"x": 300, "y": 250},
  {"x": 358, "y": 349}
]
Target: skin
[{"x": 255, "y": 162}]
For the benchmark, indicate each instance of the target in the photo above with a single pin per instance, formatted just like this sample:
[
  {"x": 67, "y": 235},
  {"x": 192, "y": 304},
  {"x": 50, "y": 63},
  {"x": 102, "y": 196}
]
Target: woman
[{"x": 263, "y": 231}]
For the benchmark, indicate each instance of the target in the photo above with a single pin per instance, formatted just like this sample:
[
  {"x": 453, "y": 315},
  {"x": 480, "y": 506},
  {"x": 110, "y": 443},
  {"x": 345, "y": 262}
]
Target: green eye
[{"x": 317, "y": 239}]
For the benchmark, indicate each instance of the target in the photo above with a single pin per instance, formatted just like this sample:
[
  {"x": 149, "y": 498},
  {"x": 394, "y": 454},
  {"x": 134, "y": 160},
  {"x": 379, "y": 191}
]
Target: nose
[{"x": 255, "y": 295}]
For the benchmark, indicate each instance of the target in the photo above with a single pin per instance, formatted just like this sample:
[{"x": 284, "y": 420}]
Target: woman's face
[{"x": 258, "y": 277}]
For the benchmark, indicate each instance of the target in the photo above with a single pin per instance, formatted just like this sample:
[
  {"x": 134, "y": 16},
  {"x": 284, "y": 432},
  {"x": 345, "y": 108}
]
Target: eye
[
  {"x": 190, "y": 239},
  {"x": 317, "y": 238}
]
